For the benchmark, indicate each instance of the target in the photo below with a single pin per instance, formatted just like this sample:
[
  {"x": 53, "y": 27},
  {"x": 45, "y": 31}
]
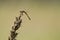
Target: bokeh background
[{"x": 44, "y": 14}]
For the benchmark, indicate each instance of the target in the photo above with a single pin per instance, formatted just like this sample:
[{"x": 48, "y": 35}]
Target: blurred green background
[{"x": 44, "y": 24}]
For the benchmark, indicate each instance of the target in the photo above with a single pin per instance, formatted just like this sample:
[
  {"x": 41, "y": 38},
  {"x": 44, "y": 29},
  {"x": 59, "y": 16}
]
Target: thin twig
[{"x": 17, "y": 25}]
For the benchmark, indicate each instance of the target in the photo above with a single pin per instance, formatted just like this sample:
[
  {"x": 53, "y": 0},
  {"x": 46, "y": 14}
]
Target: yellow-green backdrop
[{"x": 44, "y": 24}]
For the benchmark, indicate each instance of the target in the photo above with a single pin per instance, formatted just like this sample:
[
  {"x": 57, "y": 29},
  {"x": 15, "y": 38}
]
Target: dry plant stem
[{"x": 17, "y": 25}]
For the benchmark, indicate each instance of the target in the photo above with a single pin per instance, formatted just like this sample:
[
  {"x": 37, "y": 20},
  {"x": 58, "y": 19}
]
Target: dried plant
[{"x": 17, "y": 25}]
